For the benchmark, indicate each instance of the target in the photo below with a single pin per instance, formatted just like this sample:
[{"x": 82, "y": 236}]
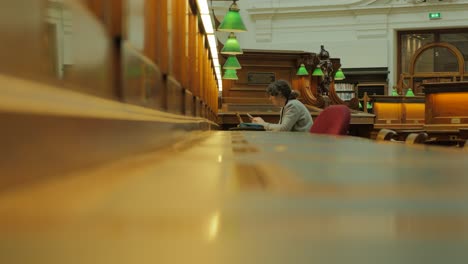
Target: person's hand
[{"x": 258, "y": 120}]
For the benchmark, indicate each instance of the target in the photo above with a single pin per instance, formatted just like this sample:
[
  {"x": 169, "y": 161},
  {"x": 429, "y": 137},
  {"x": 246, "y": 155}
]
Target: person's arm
[
  {"x": 290, "y": 116},
  {"x": 259, "y": 120}
]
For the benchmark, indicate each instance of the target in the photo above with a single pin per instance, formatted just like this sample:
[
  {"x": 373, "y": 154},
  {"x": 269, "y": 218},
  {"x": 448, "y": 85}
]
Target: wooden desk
[
  {"x": 361, "y": 123},
  {"x": 398, "y": 112},
  {"x": 446, "y": 106},
  {"x": 248, "y": 197}
]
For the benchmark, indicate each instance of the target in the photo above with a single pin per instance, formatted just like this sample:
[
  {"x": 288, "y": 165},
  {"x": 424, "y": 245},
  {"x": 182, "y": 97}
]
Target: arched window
[
  {"x": 410, "y": 41},
  {"x": 433, "y": 62},
  {"x": 436, "y": 59}
]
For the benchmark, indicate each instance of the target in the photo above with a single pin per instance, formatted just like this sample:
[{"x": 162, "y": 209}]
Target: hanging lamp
[
  {"x": 317, "y": 72},
  {"x": 232, "y": 63},
  {"x": 232, "y": 46},
  {"x": 230, "y": 74},
  {"x": 232, "y": 21}
]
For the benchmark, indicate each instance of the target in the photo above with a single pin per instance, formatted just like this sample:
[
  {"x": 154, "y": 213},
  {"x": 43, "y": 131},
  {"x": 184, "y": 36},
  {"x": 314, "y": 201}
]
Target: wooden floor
[{"x": 248, "y": 197}]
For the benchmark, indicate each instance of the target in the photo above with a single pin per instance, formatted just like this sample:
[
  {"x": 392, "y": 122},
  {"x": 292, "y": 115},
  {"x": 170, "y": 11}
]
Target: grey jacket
[{"x": 294, "y": 117}]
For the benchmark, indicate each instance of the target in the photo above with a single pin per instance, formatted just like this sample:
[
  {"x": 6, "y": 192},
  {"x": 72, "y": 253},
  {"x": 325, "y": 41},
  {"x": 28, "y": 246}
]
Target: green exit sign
[{"x": 435, "y": 16}]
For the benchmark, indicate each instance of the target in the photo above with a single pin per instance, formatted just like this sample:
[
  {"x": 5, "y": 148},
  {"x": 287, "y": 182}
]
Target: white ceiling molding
[
  {"x": 369, "y": 17},
  {"x": 309, "y": 3},
  {"x": 278, "y": 7}
]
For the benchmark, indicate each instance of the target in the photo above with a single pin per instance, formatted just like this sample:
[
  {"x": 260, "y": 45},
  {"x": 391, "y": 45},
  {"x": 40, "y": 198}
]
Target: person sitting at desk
[{"x": 294, "y": 115}]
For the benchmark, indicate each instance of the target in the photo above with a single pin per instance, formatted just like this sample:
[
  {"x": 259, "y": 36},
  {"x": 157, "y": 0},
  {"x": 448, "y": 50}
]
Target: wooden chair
[
  {"x": 386, "y": 135},
  {"x": 391, "y": 135},
  {"x": 333, "y": 120},
  {"x": 416, "y": 138}
]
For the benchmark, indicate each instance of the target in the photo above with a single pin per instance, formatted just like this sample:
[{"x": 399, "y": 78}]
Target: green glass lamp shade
[
  {"x": 302, "y": 70},
  {"x": 409, "y": 92},
  {"x": 339, "y": 75},
  {"x": 394, "y": 92},
  {"x": 360, "y": 105},
  {"x": 369, "y": 105},
  {"x": 230, "y": 75},
  {"x": 232, "y": 63},
  {"x": 317, "y": 72},
  {"x": 232, "y": 22},
  {"x": 231, "y": 46}
]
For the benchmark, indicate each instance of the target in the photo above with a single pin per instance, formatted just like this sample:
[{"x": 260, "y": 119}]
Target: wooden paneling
[
  {"x": 25, "y": 48},
  {"x": 449, "y": 105},
  {"x": 175, "y": 96},
  {"x": 143, "y": 52},
  {"x": 415, "y": 113},
  {"x": 282, "y": 64},
  {"x": 50, "y": 132},
  {"x": 446, "y": 105},
  {"x": 51, "y": 43},
  {"x": 191, "y": 62},
  {"x": 178, "y": 35},
  {"x": 189, "y": 101},
  {"x": 387, "y": 113},
  {"x": 162, "y": 35},
  {"x": 398, "y": 112},
  {"x": 142, "y": 80},
  {"x": 167, "y": 34},
  {"x": 151, "y": 30},
  {"x": 279, "y": 65},
  {"x": 109, "y": 13},
  {"x": 87, "y": 64}
]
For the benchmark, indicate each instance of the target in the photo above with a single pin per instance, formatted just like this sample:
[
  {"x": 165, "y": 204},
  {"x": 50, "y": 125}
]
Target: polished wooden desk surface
[
  {"x": 357, "y": 118},
  {"x": 248, "y": 197}
]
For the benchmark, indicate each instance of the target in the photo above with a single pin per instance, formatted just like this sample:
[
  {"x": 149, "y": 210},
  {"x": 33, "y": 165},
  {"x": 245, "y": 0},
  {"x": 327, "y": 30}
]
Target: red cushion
[{"x": 333, "y": 120}]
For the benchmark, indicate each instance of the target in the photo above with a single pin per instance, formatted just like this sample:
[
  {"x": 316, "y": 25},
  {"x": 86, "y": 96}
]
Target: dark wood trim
[
  {"x": 451, "y": 87},
  {"x": 397, "y": 99}
]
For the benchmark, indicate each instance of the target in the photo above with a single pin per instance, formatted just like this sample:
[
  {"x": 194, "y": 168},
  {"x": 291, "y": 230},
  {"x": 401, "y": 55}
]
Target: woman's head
[
  {"x": 279, "y": 88},
  {"x": 280, "y": 91}
]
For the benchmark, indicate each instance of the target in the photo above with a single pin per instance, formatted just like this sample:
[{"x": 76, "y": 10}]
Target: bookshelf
[
  {"x": 346, "y": 91},
  {"x": 370, "y": 80},
  {"x": 376, "y": 88}
]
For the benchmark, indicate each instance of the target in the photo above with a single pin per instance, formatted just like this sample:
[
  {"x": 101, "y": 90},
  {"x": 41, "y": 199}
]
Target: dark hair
[{"x": 281, "y": 87}]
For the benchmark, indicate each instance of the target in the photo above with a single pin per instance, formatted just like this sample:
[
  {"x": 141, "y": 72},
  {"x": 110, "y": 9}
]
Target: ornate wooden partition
[
  {"x": 407, "y": 80},
  {"x": 261, "y": 67}
]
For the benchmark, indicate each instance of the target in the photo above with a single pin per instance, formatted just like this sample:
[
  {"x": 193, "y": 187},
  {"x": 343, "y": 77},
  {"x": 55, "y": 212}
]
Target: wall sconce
[
  {"x": 339, "y": 75},
  {"x": 317, "y": 72},
  {"x": 302, "y": 70},
  {"x": 324, "y": 68}
]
